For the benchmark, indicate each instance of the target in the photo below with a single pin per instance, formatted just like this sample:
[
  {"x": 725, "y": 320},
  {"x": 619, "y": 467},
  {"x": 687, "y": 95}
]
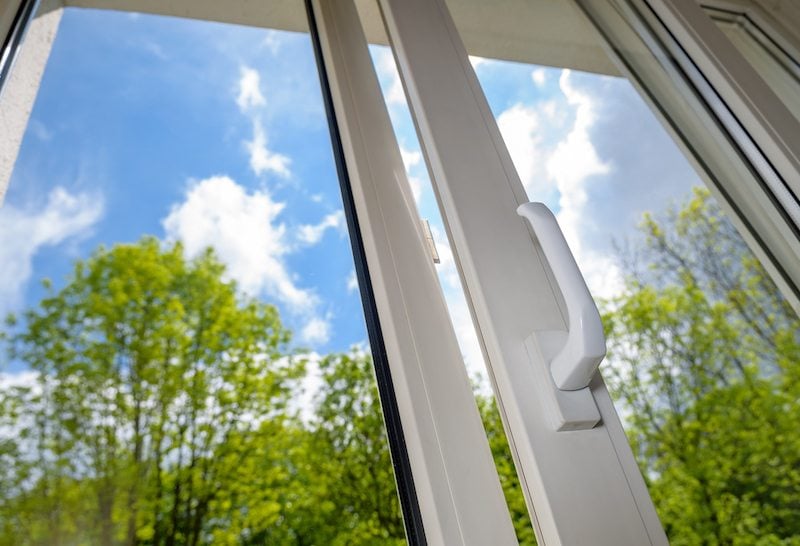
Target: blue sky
[{"x": 216, "y": 135}]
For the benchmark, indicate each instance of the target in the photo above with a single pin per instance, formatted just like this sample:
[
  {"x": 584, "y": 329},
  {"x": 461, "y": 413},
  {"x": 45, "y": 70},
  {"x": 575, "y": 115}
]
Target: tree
[
  {"x": 156, "y": 390},
  {"x": 156, "y": 409},
  {"x": 703, "y": 354},
  {"x": 501, "y": 453},
  {"x": 344, "y": 490}
]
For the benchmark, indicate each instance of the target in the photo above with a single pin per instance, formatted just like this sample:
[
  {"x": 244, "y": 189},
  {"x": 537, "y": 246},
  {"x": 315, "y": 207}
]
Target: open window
[{"x": 607, "y": 112}]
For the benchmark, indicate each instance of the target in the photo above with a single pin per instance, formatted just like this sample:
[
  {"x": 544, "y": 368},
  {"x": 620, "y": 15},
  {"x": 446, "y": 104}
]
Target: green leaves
[
  {"x": 158, "y": 412},
  {"x": 155, "y": 385},
  {"x": 159, "y": 406},
  {"x": 703, "y": 355}
]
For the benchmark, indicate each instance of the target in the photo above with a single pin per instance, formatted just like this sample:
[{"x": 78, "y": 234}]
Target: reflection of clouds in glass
[
  {"x": 589, "y": 147},
  {"x": 600, "y": 171},
  {"x": 390, "y": 78}
]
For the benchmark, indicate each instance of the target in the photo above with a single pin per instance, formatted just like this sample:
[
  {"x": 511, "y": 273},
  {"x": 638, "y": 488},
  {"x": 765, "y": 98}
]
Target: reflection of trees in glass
[
  {"x": 704, "y": 356},
  {"x": 157, "y": 407}
]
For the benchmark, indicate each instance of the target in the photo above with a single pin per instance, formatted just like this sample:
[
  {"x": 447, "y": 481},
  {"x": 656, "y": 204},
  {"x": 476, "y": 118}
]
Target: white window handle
[{"x": 575, "y": 362}]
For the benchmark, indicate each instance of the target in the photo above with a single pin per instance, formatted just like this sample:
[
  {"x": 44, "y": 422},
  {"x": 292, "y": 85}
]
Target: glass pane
[
  {"x": 702, "y": 346},
  {"x": 758, "y": 45},
  {"x": 185, "y": 358}
]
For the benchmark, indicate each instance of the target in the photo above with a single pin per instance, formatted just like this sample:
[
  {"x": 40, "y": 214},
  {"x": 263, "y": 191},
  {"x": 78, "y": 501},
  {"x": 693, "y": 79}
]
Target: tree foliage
[
  {"x": 703, "y": 354},
  {"x": 158, "y": 411},
  {"x": 156, "y": 386},
  {"x": 157, "y": 406}
]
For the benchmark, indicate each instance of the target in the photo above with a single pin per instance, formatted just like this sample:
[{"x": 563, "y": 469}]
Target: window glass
[
  {"x": 702, "y": 346},
  {"x": 184, "y": 359}
]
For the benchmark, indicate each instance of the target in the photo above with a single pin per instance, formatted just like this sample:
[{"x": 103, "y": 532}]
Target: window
[{"x": 187, "y": 362}]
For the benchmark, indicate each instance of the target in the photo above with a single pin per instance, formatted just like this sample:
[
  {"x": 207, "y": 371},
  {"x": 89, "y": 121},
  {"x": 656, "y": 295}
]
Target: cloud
[
  {"x": 352, "y": 282},
  {"x": 388, "y": 70},
  {"x": 154, "y": 49},
  {"x": 273, "y": 40},
  {"x": 312, "y": 234},
  {"x": 573, "y": 165},
  {"x": 25, "y": 231},
  {"x": 411, "y": 158},
  {"x": 551, "y": 144},
  {"x": 316, "y": 331},
  {"x": 416, "y": 187},
  {"x": 263, "y": 160},
  {"x": 477, "y": 61},
  {"x": 244, "y": 230},
  {"x": 539, "y": 77},
  {"x": 309, "y": 385},
  {"x": 249, "y": 89},
  {"x": 519, "y": 125},
  {"x": 23, "y": 379},
  {"x": 525, "y": 134},
  {"x": 40, "y": 130}
]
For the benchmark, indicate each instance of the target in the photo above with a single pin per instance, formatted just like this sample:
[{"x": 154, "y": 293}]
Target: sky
[{"x": 216, "y": 135}]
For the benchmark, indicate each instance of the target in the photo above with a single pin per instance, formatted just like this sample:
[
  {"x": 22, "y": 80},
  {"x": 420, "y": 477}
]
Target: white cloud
[
  {"x": 262, "y": 159},
  {"x": 388, "y": 69},
  {"x": 25, "y": 379},
  {"x": 249, "y": 89},
  {"x": 411, "y": 158},
  {"x": 155, "y": 49},
  {"x": 573, "y": 163},
  {"x": 551, "y": 145},
  {"x": 416, "y": 187},
  {"x": 317, "y": 331},
  {"x": 245, "y": 231},
  {"x": 40, "y": 130},
  {"x": 312, "y": 234},
  {"x": 273, "y": 41},
  {"x": 477, "y": 61},
  {"x": 539, "y": 77},
  {"x": 308, "y": 387},
  {"x": 352, "y": 282},
  {"x": 522, "y": 131},
  {"x": 24, "y": 231}
]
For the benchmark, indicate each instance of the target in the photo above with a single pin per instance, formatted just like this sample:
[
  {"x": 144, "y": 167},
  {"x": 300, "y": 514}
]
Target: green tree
[
  {"x": 703, "y": 354},
  {"x": 157, "y": 393},
  {"x": 501, "y": 452},
  {"x": 343, "y": 490}
]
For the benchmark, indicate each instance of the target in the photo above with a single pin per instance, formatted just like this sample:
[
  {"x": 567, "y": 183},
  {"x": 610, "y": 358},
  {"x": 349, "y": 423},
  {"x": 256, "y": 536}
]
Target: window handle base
[{"x": 566, "y": 410}]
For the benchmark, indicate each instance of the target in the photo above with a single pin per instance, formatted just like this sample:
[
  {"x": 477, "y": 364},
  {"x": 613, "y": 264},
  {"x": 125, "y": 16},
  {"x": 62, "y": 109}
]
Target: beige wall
[{"x": 19, "y": 92}]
